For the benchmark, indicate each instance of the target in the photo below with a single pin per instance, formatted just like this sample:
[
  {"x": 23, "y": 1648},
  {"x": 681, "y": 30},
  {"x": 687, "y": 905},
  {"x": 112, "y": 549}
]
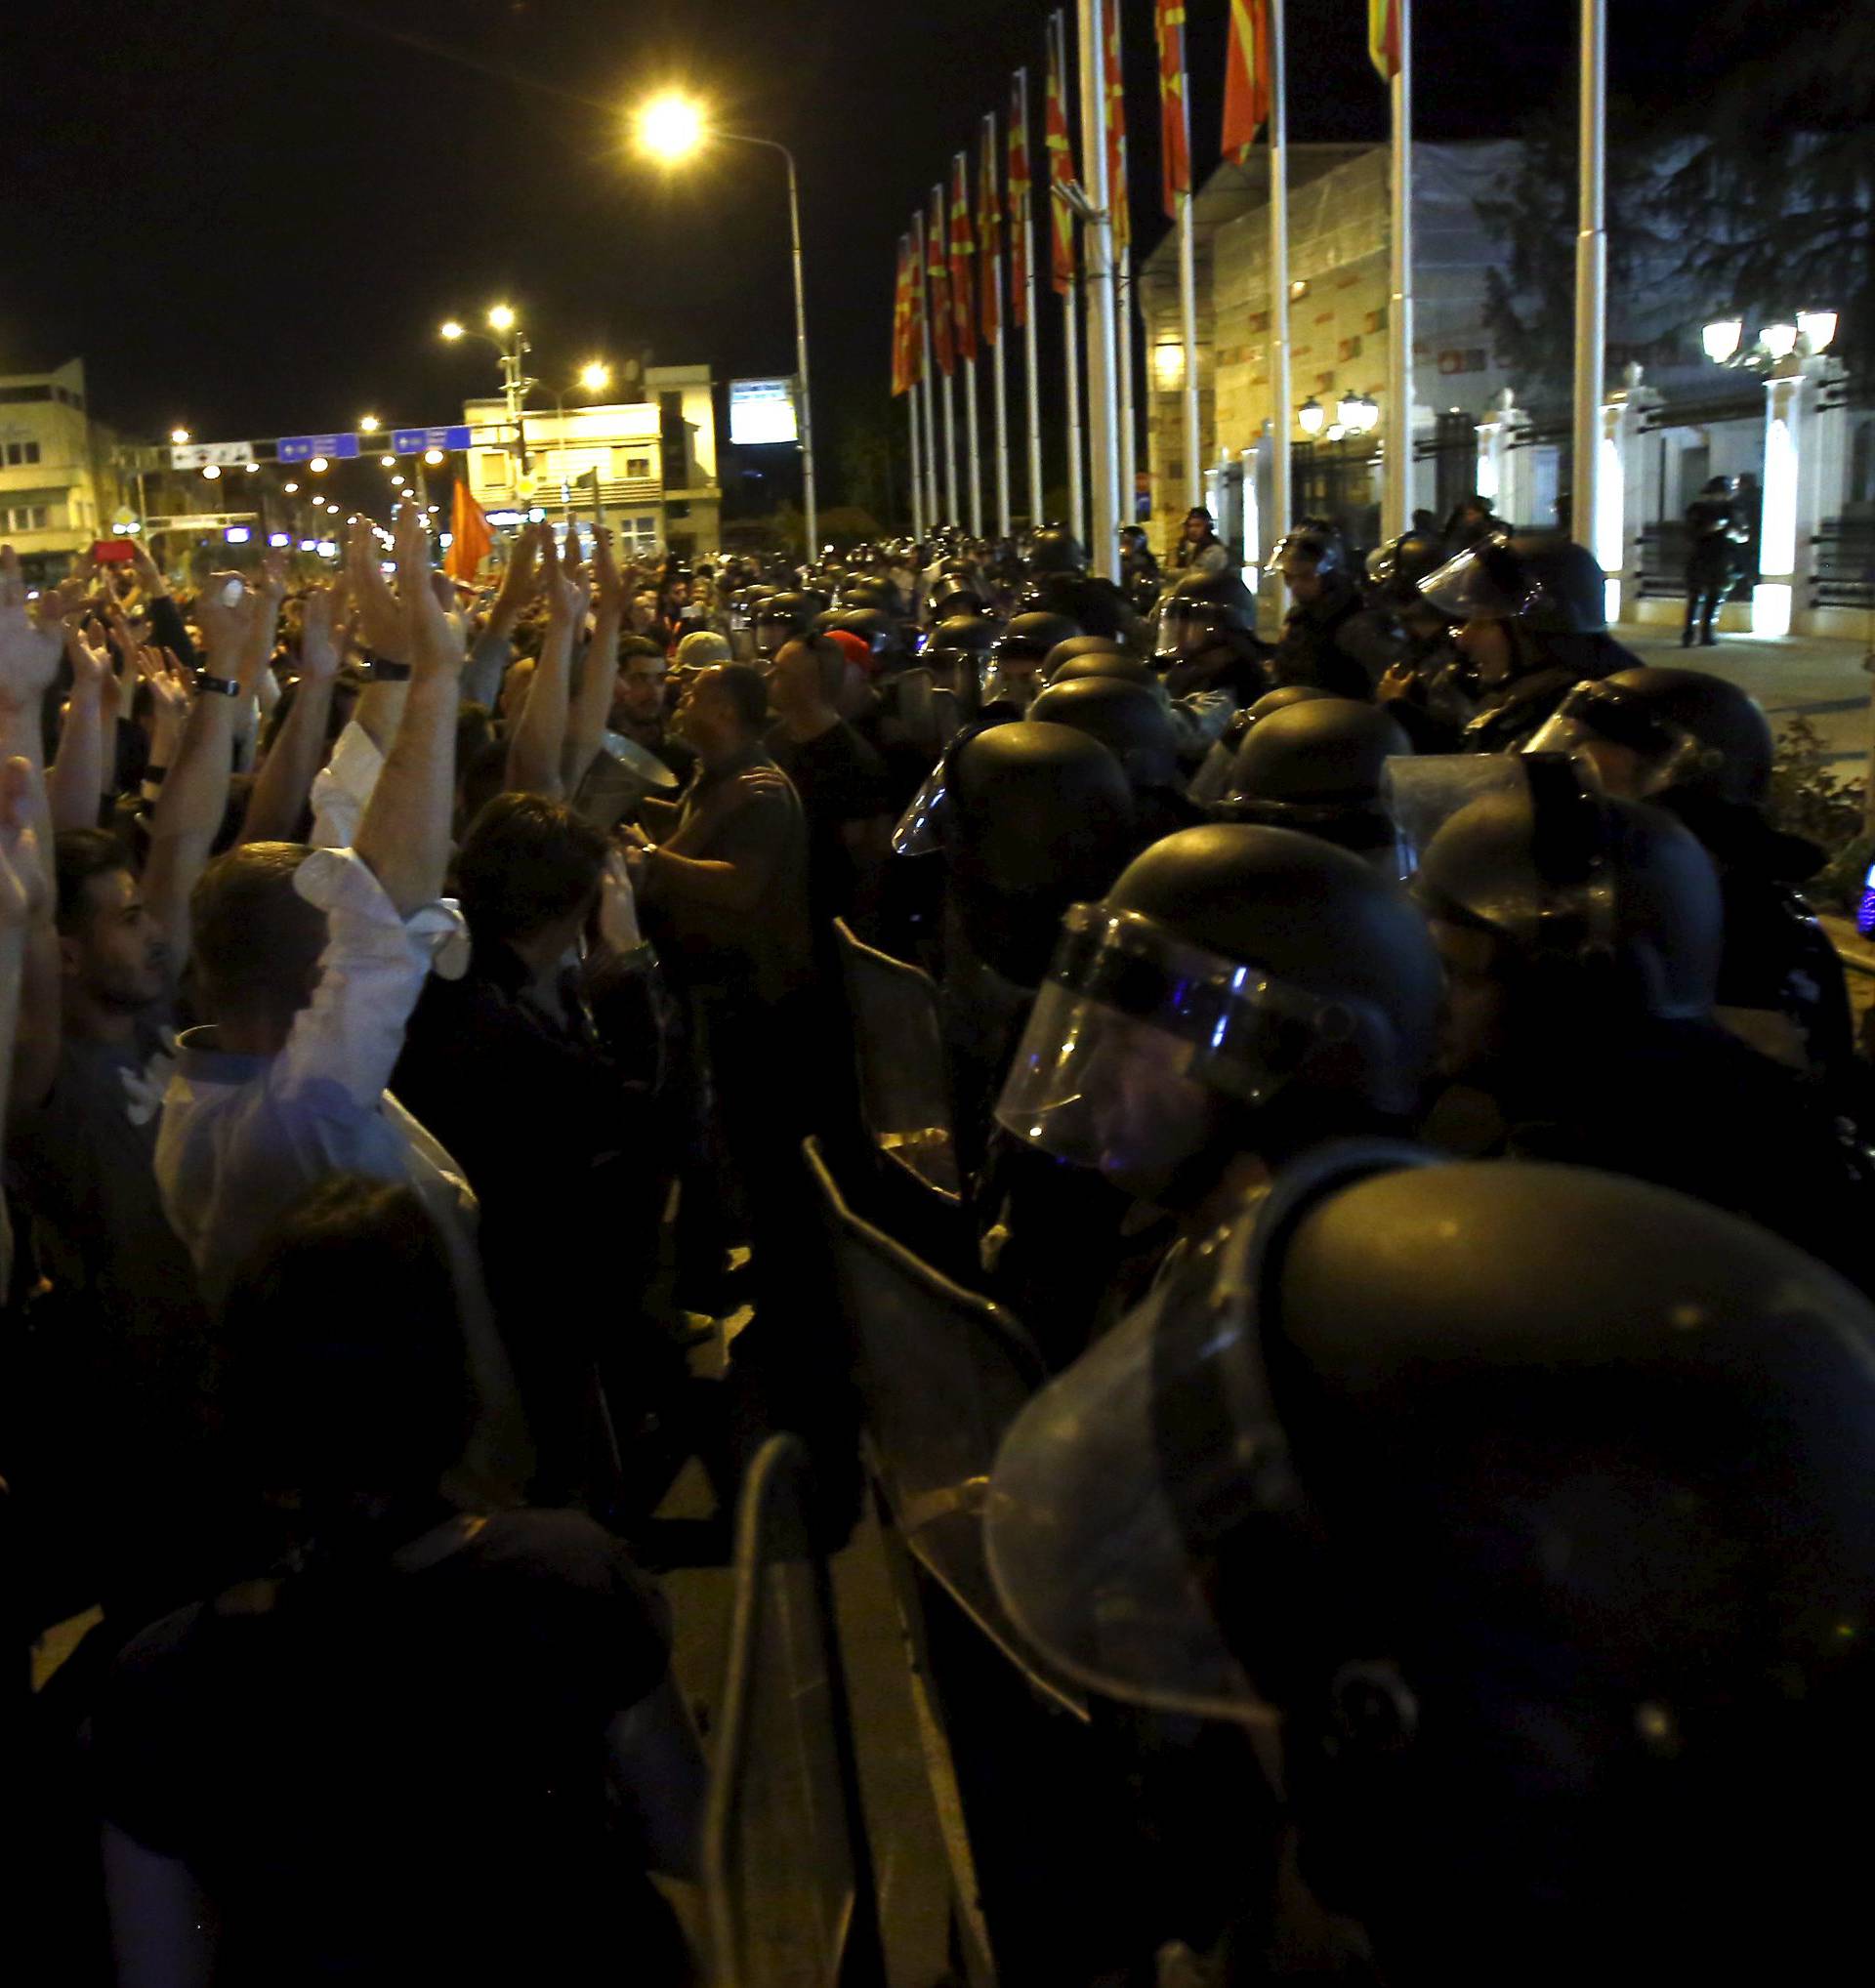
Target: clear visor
[
  {"x": 1081, "y": 1524},
  {"x": 1134, "y": 1032},
  {"x": 1183, "y": 623},
  {"x": 920, "y": 831},
  {"x": 1011, "y": 678},
  {"x": 1422, "y": 794},
  {"x": 1486, "y": 582},
  {"x": 1625, "y": 748}
]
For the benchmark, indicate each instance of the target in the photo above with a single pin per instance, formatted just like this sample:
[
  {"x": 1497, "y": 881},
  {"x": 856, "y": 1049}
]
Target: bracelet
[
  {"x": 225, "y": 686},
  {"x": 382, "y": 670}
]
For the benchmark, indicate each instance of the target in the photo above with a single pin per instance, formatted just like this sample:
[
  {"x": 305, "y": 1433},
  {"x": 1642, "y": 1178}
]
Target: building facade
[
  {"x": 58, "y": 484},
  {"x": 649, "y": 465}
]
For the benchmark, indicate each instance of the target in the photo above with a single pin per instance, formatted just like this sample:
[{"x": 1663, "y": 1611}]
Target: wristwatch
[
  {"x": 382, "y": 670},
  {"x": 225, "y": 687}
]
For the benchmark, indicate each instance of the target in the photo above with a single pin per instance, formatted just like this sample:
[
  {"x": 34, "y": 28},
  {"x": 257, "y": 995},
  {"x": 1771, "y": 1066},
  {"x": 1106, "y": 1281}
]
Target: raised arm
[
  {"x": 540, "y": 732},
  {"x": 77, "y": 775},
  {"x": 279, "y": 802},
  {"x": 28, "y": 659},
  {"x": 404, "y": 835},
  {"x": 598, "y": 671}
]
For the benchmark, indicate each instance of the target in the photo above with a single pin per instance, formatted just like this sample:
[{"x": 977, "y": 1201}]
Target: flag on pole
[
  {"x": 1119, "y": 200},
  {"x": 901, "y": 321},
  {"x": 989, "y": 235},
  {"x": 939, "y": 271},
  {"x": 1018, "y": 191},
  {"x": 963, "y": 245},
  {"x": 1383, "y": 36},
  {"x": 1174, "y": 116},
  {"x": 915, "y": 280},
  {"x": 469, "y": 539},
  {"x": 1061, "y": 156},
  {"x": 1246, "y": 77}
]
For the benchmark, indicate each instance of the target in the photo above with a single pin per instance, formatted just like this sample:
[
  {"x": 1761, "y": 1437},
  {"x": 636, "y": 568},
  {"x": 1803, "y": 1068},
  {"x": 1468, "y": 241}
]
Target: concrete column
[
  {"x": 1783, "y": 547},
  {"x": 1620, "y": 492},
  {"x": 1497, "y": 463}
]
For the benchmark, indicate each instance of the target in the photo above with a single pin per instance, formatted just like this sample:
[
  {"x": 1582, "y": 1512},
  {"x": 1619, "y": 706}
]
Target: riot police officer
[
  {"x": 1714, "y": 534},
  {"x": 1525, "y": 1516},
  {"x": 1133, "y": 721},
  {"x": 1207, "y": 640},
  {"x": 1318, "y": 767},
  {"x": 1213, "y": 779},
  {"x": 1330, "y": 637}
]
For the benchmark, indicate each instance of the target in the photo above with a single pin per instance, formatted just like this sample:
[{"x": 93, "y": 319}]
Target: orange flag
[
  {"x": 900, "y": 318},
  {"x": 939, "y": 272},
  {"x": 1175, "y": 118},
  {"x": 469, "y": 539},
  {"x": 1061, "y": 156},
  {"x": 915, "y": 319},
  {"x": 963, "y": 245},
  {"x": 1246, "y": 77},
  {"x": 1383, "y": 36},
  {"x": 1019, "y": 199},
  {"x": 1118, "y": 198},
  {"x": 989, "y": 235}
]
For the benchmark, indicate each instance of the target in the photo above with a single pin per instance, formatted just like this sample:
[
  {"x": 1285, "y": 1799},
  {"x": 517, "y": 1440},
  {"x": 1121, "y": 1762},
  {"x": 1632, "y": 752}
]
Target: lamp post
[
  {"x": 595, "y": 376},
  {"x": 512, "y": 347},
  {"x": 671, "y": 128}
]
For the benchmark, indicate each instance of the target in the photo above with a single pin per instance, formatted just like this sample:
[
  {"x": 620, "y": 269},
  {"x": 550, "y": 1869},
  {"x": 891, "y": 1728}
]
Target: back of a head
[
  {"x": 1127, "y": 718},
  {"x": 526, "y": 863},
  {"x": 1317, "y": 752},
  {"x": 339, "y": 1359},
  {"x": 1080, "y": 648},
  {"x": 1712, "y": 737},
  {"x": 701, "y": 648},
  {"x": 255, "y": 942},
  {"x": 80, "y": 855},
  {"x": 1611, "y": 894},
  {"x": 745, "y": 690}
]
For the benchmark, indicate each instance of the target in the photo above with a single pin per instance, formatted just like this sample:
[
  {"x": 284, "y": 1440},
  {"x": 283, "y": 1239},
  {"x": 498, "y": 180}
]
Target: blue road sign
[
  {"x": 302, "y": 448},
  {"x": 413, "y": 442}
]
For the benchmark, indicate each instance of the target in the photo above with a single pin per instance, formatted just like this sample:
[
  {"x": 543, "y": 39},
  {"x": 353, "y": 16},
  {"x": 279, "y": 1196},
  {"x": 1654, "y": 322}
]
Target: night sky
[{"x": 251, "y": 219}]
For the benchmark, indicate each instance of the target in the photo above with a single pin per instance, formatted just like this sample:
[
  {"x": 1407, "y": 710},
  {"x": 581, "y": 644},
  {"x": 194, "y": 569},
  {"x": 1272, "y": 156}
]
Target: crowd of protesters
[{"x": 418, "y": 995}]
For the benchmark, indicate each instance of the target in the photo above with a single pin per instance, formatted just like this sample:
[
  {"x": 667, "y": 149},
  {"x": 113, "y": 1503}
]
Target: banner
[
  {"x": 963, "y": 246},
  {"x": 989, "y": 235},
  {"x": 1061, "y": 157},
  {"x": 1246, "y": 77},
  {"x": 1019, "y": 194}
]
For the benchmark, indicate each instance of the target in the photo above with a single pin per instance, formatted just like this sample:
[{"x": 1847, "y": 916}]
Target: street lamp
[
  {"x": 1818, "y": 329},
  {"x": 386, "y": 462},
  {"x": 433, "y": 457},
  {"x": 1310, "y": 415},
  {"x": 1778, "y": 340},
  {"x": 452, "y": 330},
  {"x": 595, "y": 376},
  {"x": 319, "y": 466},
  {"x": 369, "y": 424},
  {"x": 670, "y": 128},
  {"x": 513, "y": 349},
  {"x": 501, "y": 318},
  {"x": 180, "y": 436},
  {"x": 210, "y": 471},
  {"x": 290, "y": 489}
]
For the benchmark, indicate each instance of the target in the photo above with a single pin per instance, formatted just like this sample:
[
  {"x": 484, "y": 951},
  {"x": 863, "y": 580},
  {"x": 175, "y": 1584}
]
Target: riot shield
[
  {"x": 903, "y": 1093},
  {"x": 787, "y": 1872},
  {"x": 942, "y": 1373}
]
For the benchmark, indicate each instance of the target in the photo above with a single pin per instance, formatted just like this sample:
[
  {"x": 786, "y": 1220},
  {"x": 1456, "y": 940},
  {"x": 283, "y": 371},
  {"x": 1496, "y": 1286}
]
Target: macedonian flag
[
  {"x": 1246, "y": 77},
  {"x": 1383, "y": 36},
  {"x": 937, "y": 271},
  {"x": 469, "y": 539},
  {"x": 1018, "y": 189},
  {"x": 963, "y": 246},
  {"x": 1175, "y": 117}
]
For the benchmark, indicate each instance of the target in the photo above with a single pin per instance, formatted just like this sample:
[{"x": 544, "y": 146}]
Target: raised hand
[
  {"x": 608, "y": 583},
  {"x": 568, "y": 585},
  {"x": 382, "y": 622},
  {"x": 29, "y": 649},
  {"x": 150, "y": 575},
  {"x": 321, "y": 645},
  {"x": 521, "y": 579},
  {"x": 26, "y": 891},
  {"x": 432, "y": 637},
  {"x": 91, "y": 668}
]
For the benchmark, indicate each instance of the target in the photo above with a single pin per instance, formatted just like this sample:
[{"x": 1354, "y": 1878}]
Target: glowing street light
[
  {"x": 1778, "y": 340},
  {"x": 595, "y": 376},
  {"x": 1722, "y": 338},
  {"x": 501, "y": 318},
  {"x": 211, "y": 472},
  {"x": 290, "y": 489},
  {"x": 1818, "y": 329},
  {"x": 180, "y": 436},
  {"x": 396, "y": 482},
  {"x": 319, "y": 466},
  {"x": 452, "y": 330},
  {"x": 369, "y": 424},
  {"x": 433, "y": 457},
  {"x": 1310, "y": 416},
  {"x": 670, "y": 127},
  {"x": 386, "y": 462},
  {"x": 253, "y": 469}
]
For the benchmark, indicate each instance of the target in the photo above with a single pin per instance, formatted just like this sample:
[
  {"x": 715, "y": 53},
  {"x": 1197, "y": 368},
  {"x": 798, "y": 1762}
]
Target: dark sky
[{"x": 251, "y": 217}]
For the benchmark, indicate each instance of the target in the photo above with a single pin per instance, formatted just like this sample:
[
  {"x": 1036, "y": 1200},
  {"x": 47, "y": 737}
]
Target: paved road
[{"x": 1818, "y": 677}]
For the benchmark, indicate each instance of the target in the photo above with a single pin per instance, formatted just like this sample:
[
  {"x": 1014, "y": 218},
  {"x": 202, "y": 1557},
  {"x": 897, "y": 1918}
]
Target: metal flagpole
[
  {"x": 1591, "y": 279},
  {"x": 1097, "y": 236},
  {"x": 975, "y": 463},
  {"x": 1031, "y": 362},
  {"x": 993, "y": 273},
  {"x": 1002, "y": 426},
  {"x": 1400, "y": 302},
  {"x": 1072, "y": 373},
  {"x": 1278, "y": 280},
  {"x": 1188, "y": 322},
  {"x": 917, "y": 467},
  {"x": 1123, "y": 297},
  {"x": 931, "y": 513},
  {"x": 953, "y": 515}
]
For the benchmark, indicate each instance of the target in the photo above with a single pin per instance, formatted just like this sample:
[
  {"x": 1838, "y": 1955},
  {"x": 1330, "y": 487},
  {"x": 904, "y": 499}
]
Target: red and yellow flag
[
  {"x": 1119, "y": 199},
  {"x": 1246, "y": 77},
  {"x": 900, "y": 319},
  {"x": 1018, "y": 193},
  {"x": 915, "y": 322},
  {"x": 1061, "y": 156},
  {"x": 1383, "y": 36},
  {"x": 939, "y": 272},
  {"x": 989, "y": 235},
  {"x": 469, "y": 539},
  {"x": 1174, "y": 116},
  {"x": 963, "y": 245}
]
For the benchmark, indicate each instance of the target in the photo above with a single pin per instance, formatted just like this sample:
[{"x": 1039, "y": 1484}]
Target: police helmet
[
  {"x": 1197, "y": 607},
  {"x": 1081, "y": 646},
  {"x": 1127, "y": 719},
  {"x": 1314, "y": 762},
  {"x": 1055, "y": 550},
  {"x": 1689, "y": 733},
  {"x": 1541, "y": 580},
  {"x": 1314, "y": 546}
]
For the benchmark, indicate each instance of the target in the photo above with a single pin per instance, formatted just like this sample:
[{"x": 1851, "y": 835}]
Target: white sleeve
[
  {"x": 342, "y": 787},
  {"x": 370, "y": 974}
]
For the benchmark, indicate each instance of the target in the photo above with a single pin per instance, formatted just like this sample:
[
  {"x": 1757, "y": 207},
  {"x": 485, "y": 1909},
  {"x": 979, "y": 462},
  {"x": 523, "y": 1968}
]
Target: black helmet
[
  {"x": 1396, "y": 568},
  {"x": 1317, "y": 545},
  {"x": 1535, "y": 1510},
  {"x": 871, "y": 593},
  {"x": 1317, "y": 765},
  {"x": 1039, "y": 816},
  {"x": 1692, "y": 734},
  {"x": 792, "y": 614},
  {"x": 971, "y": 633},
  {"x": 1229, "y": 966},
  {"x": 1056, "y": 551},
  {"x": 1035, "y": 634},
  {"x": 878, "y": 630},
  {"x": 1113, "y": 665},
  {"x": 1540, "y": 579},
  {"x": 954, "y": 597},
  {"x": 1200, "y": 605},
  {"x": 1212, "y": 781},
  {"x": 1127, "y": 719},
  {"x": 1081, "y": 646},
  {"x": 1579, "y": 882}
]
